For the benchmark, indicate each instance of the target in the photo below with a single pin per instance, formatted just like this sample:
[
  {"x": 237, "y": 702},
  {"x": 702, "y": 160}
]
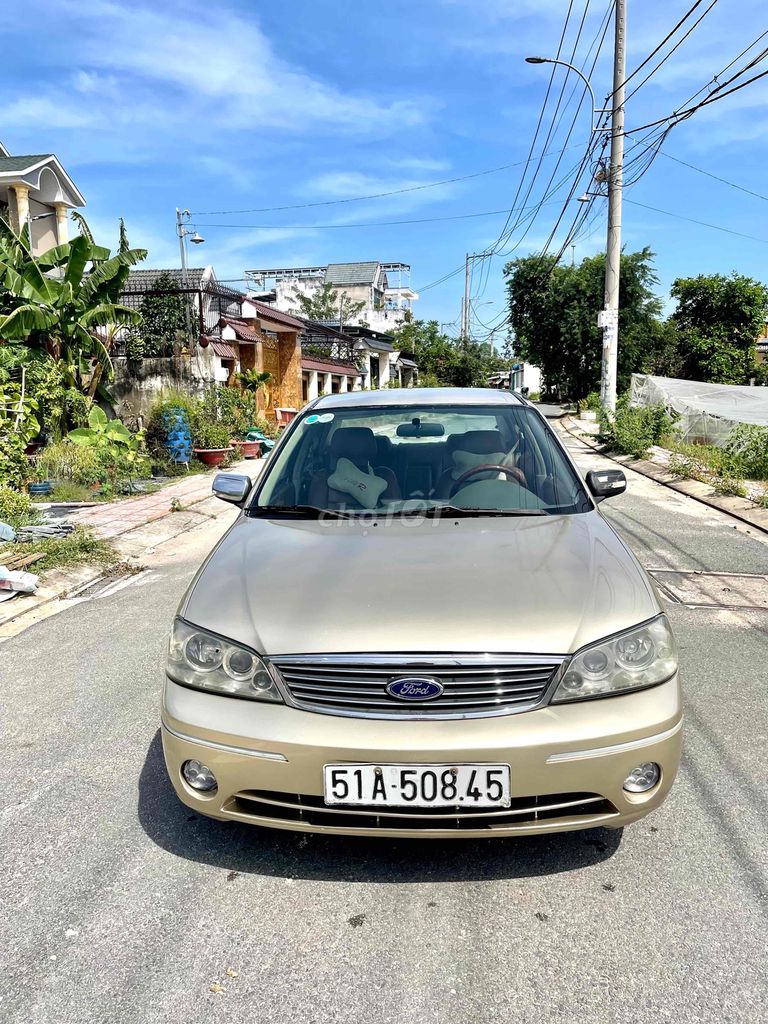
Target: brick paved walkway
[{"x": 117, "y": 517}]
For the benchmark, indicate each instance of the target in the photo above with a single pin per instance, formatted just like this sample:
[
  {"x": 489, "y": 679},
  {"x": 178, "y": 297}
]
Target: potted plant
[
  {"x": 246, "y": 449},
  {"x": 244, "y": 411},
  {"x": 40, "y": 485},
  {"x": 211, "y": 443}
]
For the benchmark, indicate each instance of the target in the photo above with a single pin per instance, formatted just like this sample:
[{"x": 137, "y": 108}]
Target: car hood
[{"x": 539, "y": 585}]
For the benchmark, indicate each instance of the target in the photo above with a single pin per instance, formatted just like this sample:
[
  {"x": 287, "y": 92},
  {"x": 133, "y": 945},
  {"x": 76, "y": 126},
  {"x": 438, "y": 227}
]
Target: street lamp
[
  {"x": 582, "y": 76},
  {"x": 608, "y": 318},
  {"x": 182, "y": 219}
]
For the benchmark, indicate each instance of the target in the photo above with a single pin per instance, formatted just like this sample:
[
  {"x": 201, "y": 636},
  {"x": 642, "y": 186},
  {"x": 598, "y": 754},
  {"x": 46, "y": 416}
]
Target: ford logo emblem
[{"x": 415, "y": 688}]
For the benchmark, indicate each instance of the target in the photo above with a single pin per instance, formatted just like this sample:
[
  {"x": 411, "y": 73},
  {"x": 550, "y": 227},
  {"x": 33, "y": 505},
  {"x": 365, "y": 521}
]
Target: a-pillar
[
  {"x": 21, "y": 216},
  {"x": 62, "y": 224}
]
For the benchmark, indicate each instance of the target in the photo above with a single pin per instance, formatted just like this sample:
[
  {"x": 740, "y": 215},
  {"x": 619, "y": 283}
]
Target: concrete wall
[{"x": 135, "y": 388}]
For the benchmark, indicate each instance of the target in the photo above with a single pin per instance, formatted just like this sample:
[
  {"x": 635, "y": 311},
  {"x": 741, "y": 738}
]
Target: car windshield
[{"x": 397, "y": 460}]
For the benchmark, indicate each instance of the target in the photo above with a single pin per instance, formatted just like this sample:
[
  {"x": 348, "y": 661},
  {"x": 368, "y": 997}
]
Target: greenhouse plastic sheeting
[{"x": 708, "y": 412}]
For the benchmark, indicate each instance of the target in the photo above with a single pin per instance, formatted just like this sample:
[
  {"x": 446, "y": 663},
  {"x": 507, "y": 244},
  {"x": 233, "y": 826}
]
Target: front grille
[
  {"x": 582, "y": 808},
  {"x": 474, "y": 685}
]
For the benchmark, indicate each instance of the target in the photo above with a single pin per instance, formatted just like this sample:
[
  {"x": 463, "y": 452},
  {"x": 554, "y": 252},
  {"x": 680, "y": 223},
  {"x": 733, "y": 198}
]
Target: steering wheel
[{"x": 511, "y": 471}]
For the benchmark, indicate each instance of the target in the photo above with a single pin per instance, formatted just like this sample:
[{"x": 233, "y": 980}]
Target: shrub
[
  {"x": 59, "y": 404},
  {"x": 119, "y": 452},
  {"x": 16, "y": 509},
  {"x": 634, "y": 430},
  {"x": 67, "y": 461},
  {"x": 747, "y": 445},
  {"x": 14, "y": 465},
  {"x": 210, "y": 435},
  {"x": 591, "y": 402}
]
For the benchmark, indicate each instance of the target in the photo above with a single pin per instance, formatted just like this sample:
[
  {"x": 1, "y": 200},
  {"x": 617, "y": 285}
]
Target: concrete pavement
[
  {"x": 133, "y": 526},
  {"x": 121, "y": 905}
]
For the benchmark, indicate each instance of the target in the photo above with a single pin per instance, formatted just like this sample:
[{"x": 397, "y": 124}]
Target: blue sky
[{"x": 231, "y": 106}]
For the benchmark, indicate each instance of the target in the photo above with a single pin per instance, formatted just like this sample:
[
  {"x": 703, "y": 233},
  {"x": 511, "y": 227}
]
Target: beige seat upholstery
[{"x": 358, "y": 444}]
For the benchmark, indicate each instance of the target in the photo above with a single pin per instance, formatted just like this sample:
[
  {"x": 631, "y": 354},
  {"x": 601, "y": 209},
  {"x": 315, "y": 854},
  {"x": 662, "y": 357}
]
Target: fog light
[
  {"x": 642, "y": 778},
  {"x": 199, "y": 777}
]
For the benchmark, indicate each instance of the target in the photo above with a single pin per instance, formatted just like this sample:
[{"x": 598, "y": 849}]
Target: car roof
[{"x": 418, "y": 396}]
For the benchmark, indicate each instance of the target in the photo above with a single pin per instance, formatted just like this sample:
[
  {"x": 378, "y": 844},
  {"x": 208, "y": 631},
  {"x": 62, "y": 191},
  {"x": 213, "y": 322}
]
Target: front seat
[
  {"x": 358, "y": 444},
  {"x": 478, "y": 442}
]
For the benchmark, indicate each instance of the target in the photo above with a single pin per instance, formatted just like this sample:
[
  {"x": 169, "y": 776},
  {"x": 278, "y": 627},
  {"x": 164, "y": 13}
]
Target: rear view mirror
[
  {"x": 606, "y": 483},
  {"x": 232, "y": 487},
  {"x": 416, "y": 428}
]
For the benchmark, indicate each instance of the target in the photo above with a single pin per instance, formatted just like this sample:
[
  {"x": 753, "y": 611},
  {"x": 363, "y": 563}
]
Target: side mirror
[
  {"x": 605, "y": 483},
  {"x": 232, "y": 487}
]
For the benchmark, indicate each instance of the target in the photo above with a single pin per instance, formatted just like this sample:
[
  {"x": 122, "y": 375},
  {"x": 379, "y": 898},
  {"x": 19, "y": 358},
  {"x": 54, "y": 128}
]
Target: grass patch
[
  {"x": 68, "y": 490},
  {"x": 79, "y": 548},
  {"x": 729, "y": 485}
]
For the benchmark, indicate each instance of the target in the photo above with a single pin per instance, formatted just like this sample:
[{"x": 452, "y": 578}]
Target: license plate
[{"x": 417, "y": 785}]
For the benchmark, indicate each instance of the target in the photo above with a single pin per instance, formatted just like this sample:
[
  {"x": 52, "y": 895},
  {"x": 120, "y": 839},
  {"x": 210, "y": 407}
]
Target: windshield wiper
[
  {"x": 436, "y": 511},
  {"x": 300, "y": 511}
]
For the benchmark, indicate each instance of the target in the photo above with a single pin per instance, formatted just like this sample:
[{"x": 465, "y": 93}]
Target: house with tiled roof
[{"x": 36, "y": 191}]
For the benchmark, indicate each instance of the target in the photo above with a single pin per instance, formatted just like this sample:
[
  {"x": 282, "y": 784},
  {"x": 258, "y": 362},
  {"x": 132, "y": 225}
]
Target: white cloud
[
  {"x": 199, "y": 69},
  {"x": 30, "y": 112}
]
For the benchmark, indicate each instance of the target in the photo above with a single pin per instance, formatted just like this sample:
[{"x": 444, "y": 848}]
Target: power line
[
  {"x": 538, "y": 126},
  {"x": 709, "y": 174},
  {"x": 701, "y": 223},
  {"x": 365, "y": 224},
  {"x": 663, "y": 42},
  {"x": 666, "y": 57},
  {"x": 513, "y": 208},
  {"x": 554, "y": 116},
  {"x": 550, "y": 190},
  {"x": 716, "y": 95},
  {"x": 373, "y": 195}
]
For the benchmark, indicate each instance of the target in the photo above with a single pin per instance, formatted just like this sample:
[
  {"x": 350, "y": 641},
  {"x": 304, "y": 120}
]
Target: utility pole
[
  {"x": 609, "y": 318},
  {"x": 182, "y": 217},
  {"x": 465, "y": 305}
]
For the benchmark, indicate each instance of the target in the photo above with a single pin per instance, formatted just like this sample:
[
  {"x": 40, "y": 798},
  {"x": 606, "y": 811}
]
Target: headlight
[
  {"x": 641, "y": 657},
  {"x": 205, "y": 661}
]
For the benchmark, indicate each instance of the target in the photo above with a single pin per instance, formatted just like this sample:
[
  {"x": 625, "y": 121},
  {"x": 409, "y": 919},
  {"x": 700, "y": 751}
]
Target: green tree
[
  {"x": 64, "y": 301},
  {"x": 718, "y": 319},
  {"x": 553, "y": 314},
  {"x": 162, "y": 319},
  {"x": 444, "y": 361},
  {"x": 326, "y": 304}
]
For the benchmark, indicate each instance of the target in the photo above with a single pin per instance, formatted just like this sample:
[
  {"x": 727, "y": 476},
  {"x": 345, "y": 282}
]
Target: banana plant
[{"x": 65, "y": 301}]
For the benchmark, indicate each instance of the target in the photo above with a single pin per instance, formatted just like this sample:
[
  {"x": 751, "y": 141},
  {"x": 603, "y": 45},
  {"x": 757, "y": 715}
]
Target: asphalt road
[{"x": 121, "y": 905}]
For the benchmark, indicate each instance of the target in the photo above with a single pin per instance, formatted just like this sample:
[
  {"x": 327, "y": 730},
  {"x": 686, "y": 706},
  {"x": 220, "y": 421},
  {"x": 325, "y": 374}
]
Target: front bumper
[{"x": 568, "y": 762}]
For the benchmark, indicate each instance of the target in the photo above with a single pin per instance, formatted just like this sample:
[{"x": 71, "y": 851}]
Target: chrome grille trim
[
  {"x": 524, "y": 813},
  {"x": 476, "y": 685}
]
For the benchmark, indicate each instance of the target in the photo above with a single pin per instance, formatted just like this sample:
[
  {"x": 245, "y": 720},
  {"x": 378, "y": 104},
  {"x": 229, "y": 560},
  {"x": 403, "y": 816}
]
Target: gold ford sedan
[{"x": 422, "y": 625}]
